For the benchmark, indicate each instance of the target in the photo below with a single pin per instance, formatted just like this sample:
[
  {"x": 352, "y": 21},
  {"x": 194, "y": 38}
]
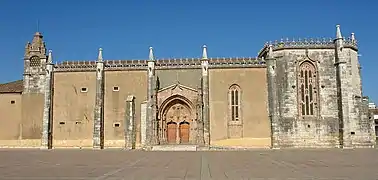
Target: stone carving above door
[
  {"x": 177, "y": 122},
  {"x": 190, "y": 94}
]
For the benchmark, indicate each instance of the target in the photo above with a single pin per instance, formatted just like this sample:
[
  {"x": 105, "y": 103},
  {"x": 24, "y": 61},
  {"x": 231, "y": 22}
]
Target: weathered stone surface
[
  {"x": 143, "y": 119},
  {"x": 205, "y": 101},
  {"x": 273, "y": 101},
  {"x": 307, "y": 132},
  {"x": 47, "y": 113},
  {"x": 130, "y": 138},
  {"x": 34, "y": 65},
  {"x": 340, "y": 119},
  {"x": 98, "y": 138}
]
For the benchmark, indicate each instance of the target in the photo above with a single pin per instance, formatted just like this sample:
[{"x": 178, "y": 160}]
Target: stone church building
[{"x": 304, "y": 93}]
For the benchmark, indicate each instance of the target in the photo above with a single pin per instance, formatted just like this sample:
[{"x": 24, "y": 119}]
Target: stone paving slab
[{"x": 65, "y": 164}]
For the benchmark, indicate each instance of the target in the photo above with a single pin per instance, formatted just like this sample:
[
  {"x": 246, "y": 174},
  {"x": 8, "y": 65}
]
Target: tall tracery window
[
  {"x": 307, "y": 89},
  {"x": 234, "y": 102}
]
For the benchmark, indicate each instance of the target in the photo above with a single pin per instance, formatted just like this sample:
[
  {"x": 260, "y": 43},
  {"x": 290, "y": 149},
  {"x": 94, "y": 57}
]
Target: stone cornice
[
  {"x": 181, "y": 63},
  {"x": 306, "y": 44}
]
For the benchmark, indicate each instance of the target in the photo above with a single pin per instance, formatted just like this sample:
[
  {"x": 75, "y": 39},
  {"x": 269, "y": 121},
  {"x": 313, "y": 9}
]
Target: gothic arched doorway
[{"x": 176, "y": 121}]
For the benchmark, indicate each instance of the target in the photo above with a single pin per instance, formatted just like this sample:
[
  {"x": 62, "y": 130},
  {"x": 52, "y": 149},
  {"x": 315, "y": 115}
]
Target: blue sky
[{"x": 74, "y": 30}]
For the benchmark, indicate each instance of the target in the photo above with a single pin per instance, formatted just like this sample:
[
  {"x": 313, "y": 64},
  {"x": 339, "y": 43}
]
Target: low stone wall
[
  {"x": 306, "y": 141},
  {"x": 84, "y": 143},
  {"x": 114, "y": 144},
  {"x": 57, "y": 144},
  {"x": 88, "y": 144},
  {"x": 22, "y": 143},
  {"x": 243, "y": 143}
]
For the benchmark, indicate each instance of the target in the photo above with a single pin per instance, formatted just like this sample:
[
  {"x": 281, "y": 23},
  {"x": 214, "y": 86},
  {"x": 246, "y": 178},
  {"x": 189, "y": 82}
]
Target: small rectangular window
[
  {"x": 116, "y": 125},
  {"x": 62, "y": 123},
  {"x": 115, "y": 88},
  {"x": 84, "y": 89},
  {"x": 13, "y": 102}
]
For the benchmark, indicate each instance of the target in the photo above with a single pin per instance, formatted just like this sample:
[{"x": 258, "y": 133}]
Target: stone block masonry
[
  {"x": 130, "y": 137},
  {"x": 205, "y": 96},
  {"x": 98, "y": 125},
  {"x": 46, "y": 125},
  {"x": 339, "y": 118},
  {"x": 143, "y": 119},
  {"x": 273, "y": 100}
]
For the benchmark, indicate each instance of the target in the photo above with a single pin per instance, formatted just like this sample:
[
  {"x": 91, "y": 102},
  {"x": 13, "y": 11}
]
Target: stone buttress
[
  {"x": 130, "y": 124},
  {"x": 98, "y": 125},
  {"x": 47, "y": 110},
  {"x": 272, "y": 98},
  {"x": 355, "y": 128},
  {"x": 205, "y": 96},
  {"x": 151, "y": 122}
]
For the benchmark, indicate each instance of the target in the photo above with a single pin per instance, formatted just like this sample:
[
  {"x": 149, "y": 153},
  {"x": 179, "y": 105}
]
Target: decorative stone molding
[
  {"x": 181, "y": 63},
  {"x": 312, "y": 43}
]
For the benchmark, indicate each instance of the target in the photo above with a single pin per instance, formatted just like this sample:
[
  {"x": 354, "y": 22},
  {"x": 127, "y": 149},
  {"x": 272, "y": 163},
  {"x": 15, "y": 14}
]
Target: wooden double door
[
  {"x": 176, "y": 123},
  {"x": 178, "y": 133}
]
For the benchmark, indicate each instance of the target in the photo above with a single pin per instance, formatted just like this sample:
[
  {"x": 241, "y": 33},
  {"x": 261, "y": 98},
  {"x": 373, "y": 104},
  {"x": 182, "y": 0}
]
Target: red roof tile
[{"x": 12, "y": 87}]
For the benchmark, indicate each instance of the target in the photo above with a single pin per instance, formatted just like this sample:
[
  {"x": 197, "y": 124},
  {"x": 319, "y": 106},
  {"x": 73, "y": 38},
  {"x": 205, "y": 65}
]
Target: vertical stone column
[
  {"x": 156, "y": 132},
  {"x": 150, "y": 127},
  {"x": 130, "y": 123},
  {"x": 205, "y": 96},
  {"x": 273, "y": 99},
  {"x": 200, "y": 132},
  {"x": 47, "y": 113},
  {"x": 143, "y": 121},
  {"x": 99, "y": 104},
  {"x": 342, "y": 83}
]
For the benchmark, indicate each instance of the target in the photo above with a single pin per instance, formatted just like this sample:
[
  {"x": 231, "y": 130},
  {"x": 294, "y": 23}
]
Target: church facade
[{"x": 294, "y": 94}]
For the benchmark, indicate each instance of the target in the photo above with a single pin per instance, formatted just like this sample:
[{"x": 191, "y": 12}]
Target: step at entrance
[{"x": 175, "y": 148}]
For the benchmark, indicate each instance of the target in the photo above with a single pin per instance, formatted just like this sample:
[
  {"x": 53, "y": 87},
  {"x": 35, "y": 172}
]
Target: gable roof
[
  {"x": 374, "y": 111},
  {"x": 12, "y": 87}
]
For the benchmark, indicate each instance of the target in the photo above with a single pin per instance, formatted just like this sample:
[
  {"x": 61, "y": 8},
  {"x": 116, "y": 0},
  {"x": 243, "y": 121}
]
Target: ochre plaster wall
[
  {"x": 254, "y": 115},
  {"x": 73, "y": 109},
  {"x": 32, "y": 115},
  {"x": 10, "y": 116},
  {"x": 128, "y": 83}
]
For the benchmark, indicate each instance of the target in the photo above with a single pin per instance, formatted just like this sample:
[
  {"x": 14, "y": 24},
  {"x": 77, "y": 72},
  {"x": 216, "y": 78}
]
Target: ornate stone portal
[
  {"x": 178, "y": 119},
  {"x": 176, "y": 122}
]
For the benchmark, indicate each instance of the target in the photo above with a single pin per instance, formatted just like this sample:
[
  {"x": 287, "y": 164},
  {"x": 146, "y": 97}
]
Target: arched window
[
  {"x": 35, "y": 61},
  {"x": 307, "y": 89},
  {"x": 234, "y": 102}
]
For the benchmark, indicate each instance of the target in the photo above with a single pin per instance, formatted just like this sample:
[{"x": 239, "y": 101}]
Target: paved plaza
[{"x": 333, "y": 164}]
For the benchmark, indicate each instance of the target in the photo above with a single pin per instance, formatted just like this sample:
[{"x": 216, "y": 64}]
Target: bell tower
[{"x": 34, "y": 65}]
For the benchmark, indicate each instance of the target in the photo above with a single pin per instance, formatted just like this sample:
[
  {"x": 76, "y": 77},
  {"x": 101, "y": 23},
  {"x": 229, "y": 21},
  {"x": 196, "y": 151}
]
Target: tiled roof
[
  {"x": 374, "y": 111},
  {"x": 12, "y": 87}
]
